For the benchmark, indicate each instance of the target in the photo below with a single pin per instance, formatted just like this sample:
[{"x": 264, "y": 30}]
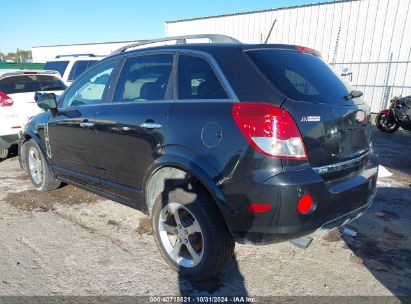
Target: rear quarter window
[{"x": 300, "y": 76}]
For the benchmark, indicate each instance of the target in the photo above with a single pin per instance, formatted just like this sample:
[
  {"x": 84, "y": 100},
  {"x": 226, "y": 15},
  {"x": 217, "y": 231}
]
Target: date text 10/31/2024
[{"x": 203, "y": 299}]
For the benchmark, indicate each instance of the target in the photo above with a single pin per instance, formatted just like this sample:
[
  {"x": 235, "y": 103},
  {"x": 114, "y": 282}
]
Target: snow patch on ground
[{"x": 383, "y": 172}]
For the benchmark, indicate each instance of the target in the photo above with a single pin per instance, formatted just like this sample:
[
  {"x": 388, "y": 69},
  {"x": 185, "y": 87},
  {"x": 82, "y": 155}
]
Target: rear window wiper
[{"x": 353, "y": 94}]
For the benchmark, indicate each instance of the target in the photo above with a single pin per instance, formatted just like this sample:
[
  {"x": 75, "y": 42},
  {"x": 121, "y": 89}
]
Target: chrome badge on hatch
[{"x": 310, "y": 118}]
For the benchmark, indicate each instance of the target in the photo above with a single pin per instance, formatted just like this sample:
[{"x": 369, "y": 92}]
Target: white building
[
  {"x": 44, "y": 53},
  {"x": 372, "y": 37}
]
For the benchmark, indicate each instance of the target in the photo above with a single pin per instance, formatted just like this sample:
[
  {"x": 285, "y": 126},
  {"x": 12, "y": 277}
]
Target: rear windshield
[
  {"x": 300, "y": 76},
  {"x": 79, "y": 67},
  {"x": 30, "y": 83},
  {"x": 59, "y": 66}
]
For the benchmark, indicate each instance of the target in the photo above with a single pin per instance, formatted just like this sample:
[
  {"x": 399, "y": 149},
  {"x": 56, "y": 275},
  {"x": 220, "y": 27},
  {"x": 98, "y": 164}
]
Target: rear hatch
[
  {"x": 21, "y": 89},
  {"x": 335, "y": 130}
]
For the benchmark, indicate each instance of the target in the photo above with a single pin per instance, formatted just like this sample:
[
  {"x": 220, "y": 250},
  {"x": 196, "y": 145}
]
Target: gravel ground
[{"x": 71, "y": 242}]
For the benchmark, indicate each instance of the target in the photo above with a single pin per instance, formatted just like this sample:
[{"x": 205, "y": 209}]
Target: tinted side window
[
  {"x": 79, "y": 67},
  {"x": 144, "y": 78},
  {"x": 59, "y": 66},
  {"x": 197, "y": 80},
  {"x": 90, "y": 88}
]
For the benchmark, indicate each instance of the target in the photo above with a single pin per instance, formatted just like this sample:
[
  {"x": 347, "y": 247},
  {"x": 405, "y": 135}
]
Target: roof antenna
[{"x": 269, "y": 33}]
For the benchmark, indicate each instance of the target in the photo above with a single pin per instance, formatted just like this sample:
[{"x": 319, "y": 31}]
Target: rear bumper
[
  {"x": 6, "y": 141},
  {"x": 336, "y": 204},
  {"x": 346, "y": 218},
  {"x": 268, "y": 238}
]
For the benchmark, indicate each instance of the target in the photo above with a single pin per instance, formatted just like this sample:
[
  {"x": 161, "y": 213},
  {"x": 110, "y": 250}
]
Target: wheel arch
[
  {"x": 25, "y": 137},
  {"x": 178, "y": 168}
]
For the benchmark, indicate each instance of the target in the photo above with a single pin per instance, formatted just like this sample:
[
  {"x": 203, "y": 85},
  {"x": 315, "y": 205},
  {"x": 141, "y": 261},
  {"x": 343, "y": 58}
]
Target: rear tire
[
  {"x": 38, "y": 168},
  {"x": 383, "y": 125},
  {"x": 202, "y": 246},
  {"x": 4, "y": 152}
]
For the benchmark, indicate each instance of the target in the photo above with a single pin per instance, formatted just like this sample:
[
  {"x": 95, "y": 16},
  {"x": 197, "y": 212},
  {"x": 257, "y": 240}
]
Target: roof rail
[
  {"x": 214, "y": 38},
  {"x": 75, "y": 55}
]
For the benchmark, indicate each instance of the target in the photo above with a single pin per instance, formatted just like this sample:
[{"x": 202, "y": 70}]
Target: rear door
[
  {"x": 131, "y": 130},
  {"x": 334, "y": 129},
  {"x": 71, "y": 131}
]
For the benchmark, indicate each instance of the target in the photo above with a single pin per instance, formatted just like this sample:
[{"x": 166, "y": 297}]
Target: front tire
[
  {"x": 191, "y": 233},
  {"x": 38, "y": 168},
  {"x": 4, "y": 152}
]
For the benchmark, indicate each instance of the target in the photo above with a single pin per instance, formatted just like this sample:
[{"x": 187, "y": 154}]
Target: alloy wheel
[
  {"x": 181, "y": 235},
  {"x": 35, "y": 166}
]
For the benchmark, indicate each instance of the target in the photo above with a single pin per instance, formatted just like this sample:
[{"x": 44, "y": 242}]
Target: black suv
[{"x": 217, "y": 142}]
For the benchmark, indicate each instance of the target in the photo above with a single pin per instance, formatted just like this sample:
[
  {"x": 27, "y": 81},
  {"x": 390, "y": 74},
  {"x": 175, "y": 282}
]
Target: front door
[
  {"x": 71, "y": 131},
  {"x": 131, "y": 130}
]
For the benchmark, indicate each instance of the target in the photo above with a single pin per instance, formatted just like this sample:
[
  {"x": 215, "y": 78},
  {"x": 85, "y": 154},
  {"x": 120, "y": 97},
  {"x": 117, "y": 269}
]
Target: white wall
[
  {"x": 374, "y": 39},
  {"x": 44, "y": 53}
]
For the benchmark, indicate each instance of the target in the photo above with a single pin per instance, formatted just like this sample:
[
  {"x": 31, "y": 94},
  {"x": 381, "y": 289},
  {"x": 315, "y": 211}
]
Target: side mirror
[{"x": 46, "y": 101}]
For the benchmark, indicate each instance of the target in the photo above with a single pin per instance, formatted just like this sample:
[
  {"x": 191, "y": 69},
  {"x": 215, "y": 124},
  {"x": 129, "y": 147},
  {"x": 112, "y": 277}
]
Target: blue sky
[{"x": 26, "y": 23}]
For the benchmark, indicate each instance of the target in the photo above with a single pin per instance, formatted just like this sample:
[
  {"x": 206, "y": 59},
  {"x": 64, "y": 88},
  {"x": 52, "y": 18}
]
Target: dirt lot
[{"x": 71, "y": 242}]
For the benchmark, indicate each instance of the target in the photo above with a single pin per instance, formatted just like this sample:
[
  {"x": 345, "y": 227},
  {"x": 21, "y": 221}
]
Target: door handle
[
  {"x": 86, "y": 124},
  {"x": 150, "y": 125}
]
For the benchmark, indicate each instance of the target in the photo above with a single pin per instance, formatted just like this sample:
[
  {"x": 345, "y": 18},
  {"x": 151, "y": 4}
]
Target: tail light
[
  {"x": 5, "y": 100},
  {"x": 270, "y": 130}
]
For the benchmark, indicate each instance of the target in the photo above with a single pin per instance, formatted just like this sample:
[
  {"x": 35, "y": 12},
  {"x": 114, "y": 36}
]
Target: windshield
[
  {"x": 300, "y": 76},
  {"x": 59, "y": 66},
  {"x": 30, "y": 83}
]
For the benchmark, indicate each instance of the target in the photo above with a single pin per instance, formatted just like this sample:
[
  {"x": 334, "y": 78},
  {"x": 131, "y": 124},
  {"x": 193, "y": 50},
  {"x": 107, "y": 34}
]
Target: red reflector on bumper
[
  {"x": 16, "y": 127},
  {"x": 258, "y": 208},
  {"x": 305, "y": 204}
]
